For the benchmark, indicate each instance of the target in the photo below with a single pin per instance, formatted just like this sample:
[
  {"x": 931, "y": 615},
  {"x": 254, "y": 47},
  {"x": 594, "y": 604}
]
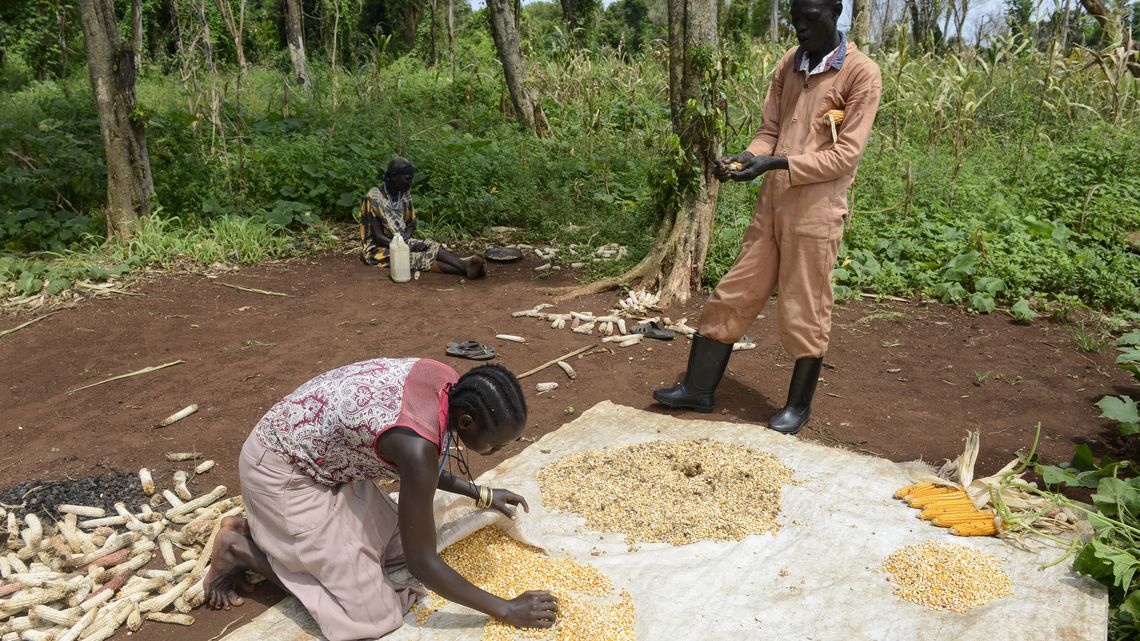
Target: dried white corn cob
[
  {"x": 40, "y": 635},
  {"x": 584, "y": 328},
  {"x": 33, "y": 532},
  {"x": 82, "y": 510},
  {"x": 74, "y": 631},
  {"x": 617, "y": 338},
  {"x": 65, "y": 618},
  {"x": 96, "y": 600},
  {"x": 546, "y": 387},
  {"x": 176, "y": 619},
  {"x": 13, "y": 532},
  {"x": 182, "y": 568},
  {"x": 27, "y": 598},
  {"x": 201, "y": 501},
  {"x": 167, "y": 550},
  {"x": 180, "y": 488},
  {"x": 106, "y": 520},
  {"x": 5, "y": 568},
  {"x": 204, "y": 466},
  {"x": 178, "y": 416},
  {"x": 18, "y": 566},
  {"x": 131, "y": 519},
  {"x": 569, "y": 370},
  {"x": 510, "y": 337},
  {"x": 104, "y": 628},
  {"x": 16, "y": 625},
  {"x": 739, "y": 347},
  {"x": 134, "y": 618},
  {"x": 163, "y": 601},
  {"x": 147, "y": 481},
  {"x": 630, "y": 342},
  {"x": 172, "y": 499},
  {"x": 175, "y": 457}
]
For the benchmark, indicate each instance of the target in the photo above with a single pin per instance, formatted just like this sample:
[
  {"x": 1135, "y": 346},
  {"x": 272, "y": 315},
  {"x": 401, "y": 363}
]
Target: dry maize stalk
[
  {"x": 204, "y": 466},
  {"x": 175, "y": 457},
  {"x": 82, "y": 510},
  {"x": 180, "y": 488},
  {"x": 201, "y": 501},
  {"x": 176, "y": 619},
  {"x": 178, "y": 416},
  {"x": 147, "y": 481}
]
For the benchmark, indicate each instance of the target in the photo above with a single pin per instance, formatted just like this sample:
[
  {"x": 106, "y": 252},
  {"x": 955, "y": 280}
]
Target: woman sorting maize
[
  {"x": 319, "y": 527},
  {"x": 387, "y": 211}
]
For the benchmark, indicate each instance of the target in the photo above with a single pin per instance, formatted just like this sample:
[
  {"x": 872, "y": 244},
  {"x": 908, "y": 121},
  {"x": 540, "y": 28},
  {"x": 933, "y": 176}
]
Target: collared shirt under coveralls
[{"x": 795, "y": 231}]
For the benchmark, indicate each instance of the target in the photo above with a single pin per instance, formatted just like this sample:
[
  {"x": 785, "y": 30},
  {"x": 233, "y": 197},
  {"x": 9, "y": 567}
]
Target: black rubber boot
[
  {"x": 797, "y": 411},
  {"x": 707, "y": 361}
]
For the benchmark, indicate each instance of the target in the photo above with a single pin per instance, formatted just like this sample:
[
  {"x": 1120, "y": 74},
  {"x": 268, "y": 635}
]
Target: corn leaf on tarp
[{"x": 817, "y": 578}]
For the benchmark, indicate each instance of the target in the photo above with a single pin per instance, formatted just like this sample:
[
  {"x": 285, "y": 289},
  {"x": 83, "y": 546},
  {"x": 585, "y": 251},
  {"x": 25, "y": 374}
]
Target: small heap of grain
[
  {"x": 946, "y": 576},
  {"x": 588, "y": 609},
  {"x": 675, "y": 492}
]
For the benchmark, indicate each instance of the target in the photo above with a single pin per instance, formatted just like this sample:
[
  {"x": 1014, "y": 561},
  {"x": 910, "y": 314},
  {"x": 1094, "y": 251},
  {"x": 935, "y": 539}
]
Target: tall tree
[
  {"x": 528, "y": 109},
  {"x": 675, "y": 264},
  {"x": 577, "y": 14},
  {"x": 111, "y": 67},
  {"x": 295, "y": 34}
]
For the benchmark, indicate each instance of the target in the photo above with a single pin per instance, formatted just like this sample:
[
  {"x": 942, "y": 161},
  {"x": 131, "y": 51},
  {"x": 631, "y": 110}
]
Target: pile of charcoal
[{"x": 41, "y": 497}]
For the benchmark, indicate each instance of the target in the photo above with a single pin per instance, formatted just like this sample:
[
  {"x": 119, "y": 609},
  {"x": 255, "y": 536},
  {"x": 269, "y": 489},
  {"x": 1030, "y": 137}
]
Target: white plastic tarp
[{"x": 817, "y": 579}]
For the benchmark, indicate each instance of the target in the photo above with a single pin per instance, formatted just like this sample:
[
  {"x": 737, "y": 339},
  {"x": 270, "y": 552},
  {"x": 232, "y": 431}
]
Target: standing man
[{"x": 817, "y": 119}]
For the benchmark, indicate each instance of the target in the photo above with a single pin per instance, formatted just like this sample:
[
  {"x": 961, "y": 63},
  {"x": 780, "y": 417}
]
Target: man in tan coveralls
[{"x": 795, "y": 231}]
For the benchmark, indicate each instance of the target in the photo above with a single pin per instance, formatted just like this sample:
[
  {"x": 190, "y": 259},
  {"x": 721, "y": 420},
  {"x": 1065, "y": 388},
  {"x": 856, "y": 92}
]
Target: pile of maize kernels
[
  {"x": 88, "y": 574},
  {"x": 496, "y": 563},
  {"x": 674, "y": 492},
  {"x": 946, "y": 576}
]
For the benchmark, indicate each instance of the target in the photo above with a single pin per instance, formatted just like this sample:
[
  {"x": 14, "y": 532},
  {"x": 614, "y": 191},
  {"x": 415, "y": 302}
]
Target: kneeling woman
[{"x": 318, "y": 526}]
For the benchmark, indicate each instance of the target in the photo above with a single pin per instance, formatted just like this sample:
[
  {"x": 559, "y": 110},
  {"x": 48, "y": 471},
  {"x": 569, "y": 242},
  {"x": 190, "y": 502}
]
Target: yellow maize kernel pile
[
  {"x": 946, "y": 576},
  {"x": 675, "y": 492},
  {"x": 496, "y": 563}
]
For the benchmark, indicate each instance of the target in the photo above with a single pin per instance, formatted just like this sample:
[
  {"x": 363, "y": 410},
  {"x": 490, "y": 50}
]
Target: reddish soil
[{"x": 903, "y": 381}]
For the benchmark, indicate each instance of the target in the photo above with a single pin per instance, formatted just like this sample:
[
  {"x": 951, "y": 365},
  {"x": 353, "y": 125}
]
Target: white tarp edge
[{"x": 817, "y": 579}]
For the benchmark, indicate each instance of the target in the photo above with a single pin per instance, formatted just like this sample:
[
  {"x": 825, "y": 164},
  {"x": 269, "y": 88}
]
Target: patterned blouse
[
  {"x": 329, "y": 426},
  {"x": 381, "y": 214}
]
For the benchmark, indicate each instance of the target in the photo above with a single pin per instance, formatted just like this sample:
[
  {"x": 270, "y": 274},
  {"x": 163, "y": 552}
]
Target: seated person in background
[{"x": 387, "y": 211}]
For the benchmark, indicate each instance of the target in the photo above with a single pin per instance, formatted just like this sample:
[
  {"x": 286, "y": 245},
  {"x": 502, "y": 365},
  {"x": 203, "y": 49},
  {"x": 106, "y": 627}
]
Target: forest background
[{"x": 1003, "y": 173}]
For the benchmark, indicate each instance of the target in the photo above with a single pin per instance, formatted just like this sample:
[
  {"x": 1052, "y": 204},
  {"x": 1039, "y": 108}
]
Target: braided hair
[{"x": 491, "y": 395}]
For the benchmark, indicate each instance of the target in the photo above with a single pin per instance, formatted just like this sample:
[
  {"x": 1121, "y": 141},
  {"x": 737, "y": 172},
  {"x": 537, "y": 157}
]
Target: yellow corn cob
[
  {"x": 945, "y": 510},
  {"x": 935, "y": 499},
  {"x": 902, "y": 492},
  {"x": 984, "y": 529},
  {"x": 954, "y": 521},
  {"x": 834, "y": 118},
  {"x": 932, "y": 489}
]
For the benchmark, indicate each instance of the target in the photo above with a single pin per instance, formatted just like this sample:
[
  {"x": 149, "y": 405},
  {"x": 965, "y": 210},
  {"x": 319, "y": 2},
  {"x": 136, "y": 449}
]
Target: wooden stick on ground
[
  {"x": 549, "y": 363},
  {"x": 145, "y": 370},
  {"x": 252, "y": 290},
  {"x": 23, "y": 325}
]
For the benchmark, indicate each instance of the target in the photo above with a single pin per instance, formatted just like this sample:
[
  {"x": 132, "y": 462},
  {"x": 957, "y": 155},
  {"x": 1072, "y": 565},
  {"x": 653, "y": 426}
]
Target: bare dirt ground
[{"x": 903, "y": 381}]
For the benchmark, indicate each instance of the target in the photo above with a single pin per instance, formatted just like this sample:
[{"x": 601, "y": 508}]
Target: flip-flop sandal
[
  {"x": 653, "y": 329},
  {"x": 502, "y": 254},
  {"x": 470, "y": 350}
]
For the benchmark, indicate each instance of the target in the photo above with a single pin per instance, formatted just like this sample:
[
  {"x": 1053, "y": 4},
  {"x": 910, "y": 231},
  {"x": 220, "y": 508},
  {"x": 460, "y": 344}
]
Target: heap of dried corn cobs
[
  {"x": 950, "y": 507},
  {"x": 946, "y": 576},
  {"x": 85, "y": 576},
  {"x": 588, "y": 609},
  {"x": 675, "y": 492}
]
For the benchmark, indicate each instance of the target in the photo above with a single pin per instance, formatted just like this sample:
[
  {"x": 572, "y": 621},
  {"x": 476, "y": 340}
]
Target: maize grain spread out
[
  {"x": 946, "y": 576},
  {"x": 674, "y": 492},
  {"x": 588, "y": 608}
]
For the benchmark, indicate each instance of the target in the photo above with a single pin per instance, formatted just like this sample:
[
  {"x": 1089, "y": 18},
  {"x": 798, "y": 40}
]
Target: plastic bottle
[{"x": 399, "y": 260}]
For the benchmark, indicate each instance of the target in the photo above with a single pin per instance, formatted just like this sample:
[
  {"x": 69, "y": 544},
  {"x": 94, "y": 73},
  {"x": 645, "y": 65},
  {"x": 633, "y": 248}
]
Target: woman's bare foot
[
  {"x": 232, "y": 555},
  {"x": 475, "y": 267}
]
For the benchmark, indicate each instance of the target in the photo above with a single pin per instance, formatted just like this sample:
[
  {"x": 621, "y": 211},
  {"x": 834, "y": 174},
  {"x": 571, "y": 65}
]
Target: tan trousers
[{"x": 789, "y": 247}]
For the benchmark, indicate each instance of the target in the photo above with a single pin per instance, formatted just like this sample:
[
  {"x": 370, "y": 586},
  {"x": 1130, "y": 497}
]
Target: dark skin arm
[
  {"x": 750, "y": 166},
  {"x": 417, "y": 459}
]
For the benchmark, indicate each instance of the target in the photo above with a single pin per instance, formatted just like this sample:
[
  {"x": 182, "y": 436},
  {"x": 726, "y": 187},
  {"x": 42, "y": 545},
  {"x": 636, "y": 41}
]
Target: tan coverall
[{"x": 794, "y": 235}]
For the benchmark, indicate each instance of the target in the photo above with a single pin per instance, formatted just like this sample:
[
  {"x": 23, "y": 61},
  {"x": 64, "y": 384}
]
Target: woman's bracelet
[{"x": 486, "y": 497}]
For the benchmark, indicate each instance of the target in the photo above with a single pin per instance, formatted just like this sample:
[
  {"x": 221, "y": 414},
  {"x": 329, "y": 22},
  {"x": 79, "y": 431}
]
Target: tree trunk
[
  {"x": 675, "y": 264},
  {"x": 235, "y": 27},
  {"x": 433, "y": 52},
  {"x": 111, "y": 67},
  {"x": 207, "y": 49},
  {"x": 774, "y": 25},
  {"x": 136, "y": 34},
  {"x": 860, "y": 21},
  {"x": 528, "y": 110},
  {"x": 294, "y": 33},
  {"x": 571, "y": 20},
  {"x": 451, "y": 34}
]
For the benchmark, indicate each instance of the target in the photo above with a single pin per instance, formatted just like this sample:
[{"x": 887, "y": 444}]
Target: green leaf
[
  {"x": 1083, "y": 458},
  {"x": 1056, "y": 475},
  {"x": 1119, "y": 408},
  {"x": 1131, "y": 356},
  {"x": 1089, "y": 564},
  {"x": 1115, "y": 496},
  {"x": 951, "y": 292},
  {"x": 1124, "y": 565},
  {"x": 1128, "y": 429},
  {"x": 1131, "y": 606},
  {"x": 982, "y": 303},
  {"x": 989, "y": 285},
  {"x": 1131, "y": 338},
  {"x": 1022, "y": 312},
  {"x": 961, "y": 266}
]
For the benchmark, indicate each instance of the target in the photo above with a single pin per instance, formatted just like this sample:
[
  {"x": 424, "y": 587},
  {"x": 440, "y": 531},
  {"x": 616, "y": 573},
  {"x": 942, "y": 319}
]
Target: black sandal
[
  {"x": 470, "y": 350},
  {"x": 653, "y": 329}
]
